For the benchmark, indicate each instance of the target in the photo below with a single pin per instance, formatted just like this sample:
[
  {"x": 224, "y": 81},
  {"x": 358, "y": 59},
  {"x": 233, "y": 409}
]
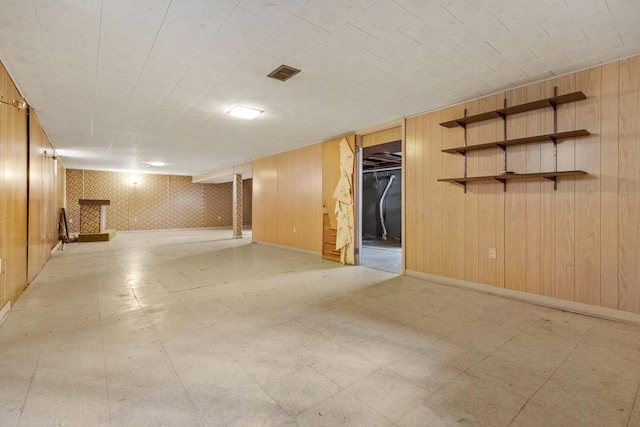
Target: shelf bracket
[
  {"x": 555, "y": 181},
  {"x": 502, "y": 147},
  {"x": 463, "y": 184},
  {"x": 504, "y": 183}
]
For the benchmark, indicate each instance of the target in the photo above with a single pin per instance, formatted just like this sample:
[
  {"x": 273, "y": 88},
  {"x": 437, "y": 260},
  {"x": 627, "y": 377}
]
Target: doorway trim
[{"x": 358, "y": 181}]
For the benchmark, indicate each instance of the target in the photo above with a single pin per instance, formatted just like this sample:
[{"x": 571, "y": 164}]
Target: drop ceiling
[{"x": 120, "y": 83}]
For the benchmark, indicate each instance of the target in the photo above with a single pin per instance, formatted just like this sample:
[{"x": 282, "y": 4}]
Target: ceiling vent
[{"x": 283, "y": 73}]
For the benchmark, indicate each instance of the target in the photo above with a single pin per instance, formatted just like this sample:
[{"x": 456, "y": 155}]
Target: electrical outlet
[
  {"x": 294, "y": 229},
  {"x": 492, "y": 253}
]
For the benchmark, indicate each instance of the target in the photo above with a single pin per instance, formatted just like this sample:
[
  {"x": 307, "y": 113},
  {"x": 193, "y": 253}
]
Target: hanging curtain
[{"x": 344, "y": 205}]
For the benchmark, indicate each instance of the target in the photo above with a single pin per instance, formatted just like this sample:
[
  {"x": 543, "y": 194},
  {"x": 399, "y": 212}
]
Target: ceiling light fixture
[
  {"x": 157, "y": 164},
  {"x": 244, "y": 112}
]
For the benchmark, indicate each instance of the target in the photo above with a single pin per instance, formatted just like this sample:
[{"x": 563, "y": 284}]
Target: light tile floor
[{"x": 192, "y": 328}]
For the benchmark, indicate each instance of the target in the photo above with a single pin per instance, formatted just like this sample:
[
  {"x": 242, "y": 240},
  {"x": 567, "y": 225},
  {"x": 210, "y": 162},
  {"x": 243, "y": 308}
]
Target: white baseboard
[
  {"x": 4, "y": 311},
  {"x": 289, "y": 248},
  {"x": 572, "y": 306},
  {"x": 56, "y": 248}
]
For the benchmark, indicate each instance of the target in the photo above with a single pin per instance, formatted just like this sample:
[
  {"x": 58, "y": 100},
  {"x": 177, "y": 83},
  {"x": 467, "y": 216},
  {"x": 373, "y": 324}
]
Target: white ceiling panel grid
[{"x": 120, "y": 83}]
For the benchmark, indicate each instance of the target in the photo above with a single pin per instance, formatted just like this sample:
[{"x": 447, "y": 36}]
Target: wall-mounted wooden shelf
[
  {"x": 516, "y": 109},
  {"x": 552, "y": 137},
  {"x": 503, "y": 178}
]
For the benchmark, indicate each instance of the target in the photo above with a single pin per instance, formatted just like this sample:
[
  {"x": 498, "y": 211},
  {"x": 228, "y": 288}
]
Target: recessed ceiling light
[
  {"x": 244, "y": 112},
  {"x": 157, "y": 164}
]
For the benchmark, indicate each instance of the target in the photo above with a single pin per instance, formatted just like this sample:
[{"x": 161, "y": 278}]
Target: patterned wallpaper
[
  {"x": 90, "y": 219},
  {"x": 154, "y": 202}
]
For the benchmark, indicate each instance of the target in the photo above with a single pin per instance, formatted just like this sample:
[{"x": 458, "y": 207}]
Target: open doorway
[{"x": 381, "y": 207}]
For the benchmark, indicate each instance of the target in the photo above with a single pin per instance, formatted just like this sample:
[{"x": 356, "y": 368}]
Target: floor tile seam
[
  {"x": 521, "y": 332},
  {"x": 340, "y": 390},
  {"x": 257, "y": 383},
  {"x": 417, "y": 352},
  {"x": 456, "y": 330},
  {"x": 501, "y": 386},
  {"x": 106, "y": 376},
  {"x": 26, "y": 395},
  {"x": 175, "y": 371},
  {"x": 343, "y": 390},
  {"x": 633, "y": 407},
  {"x": 489, "y": 422},
  {"x": 436, "y": 394},
  {"x": 346, "y": 390},
  {"x": 547, "y": 381},
  {"x": 489, "y": 355}
]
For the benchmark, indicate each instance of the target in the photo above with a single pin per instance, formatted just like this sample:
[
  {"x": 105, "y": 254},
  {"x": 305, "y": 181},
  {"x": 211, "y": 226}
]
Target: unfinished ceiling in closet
[{"x": 120, "y": 83}]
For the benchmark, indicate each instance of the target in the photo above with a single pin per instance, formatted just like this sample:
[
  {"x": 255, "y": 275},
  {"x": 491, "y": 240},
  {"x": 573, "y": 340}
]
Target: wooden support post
[{"x": 237, "y": 206}]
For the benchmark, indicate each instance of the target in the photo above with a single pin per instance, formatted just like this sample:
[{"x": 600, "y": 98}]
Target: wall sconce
[
  {"x": 53, "y": 156},
  {"x": 134, "y": 179},
  {"x": 20, "y": 104}
]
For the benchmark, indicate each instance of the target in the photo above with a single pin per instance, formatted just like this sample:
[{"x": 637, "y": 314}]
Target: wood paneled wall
[
  {"x": 155, "y": 202},
  {"x": 382, "y": 137},
  {"x": 580, "y": 243},
  {"x": 13, "y": 192},
  {"x": 46, "y": 198},
  {"x": 287, "y": 198}
]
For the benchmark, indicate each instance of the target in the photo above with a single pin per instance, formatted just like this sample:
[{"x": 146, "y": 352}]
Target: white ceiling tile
[
  {"x": 437, "y": 46},
  {"x": 572, "y": 38},
  {"x": 249, "y": 27},
  {"x": 419, "y": 7},
  {"x": 436, "y": 67},
  {"x": 320, "y": 58},
  {"x": 271, "y": 55},
  {"x": 300, "y": 34},
  {"x": 542, "y": 67},
  {"x": 623, "y": 6},
  {"x": 165, "y": 71},
  {"x": 471, "y": 13},
  {"x": 349, "y": 40},
  {"x": 587, "y": 8},
  {"x": 382, "y": 18},
  {"x": 630, "y": 39},
  {"x": 226, "y": 46},
  {"x": 329, "y": 14},
  {"x": 278, "y": 12},
  {"x": 393, "y": 45},
  {"x": 581, "y": 65},
  {"x": 515, "y": 13},
  {"x": 580, "y": 51},
  {"x": 431, "y": 25}
]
